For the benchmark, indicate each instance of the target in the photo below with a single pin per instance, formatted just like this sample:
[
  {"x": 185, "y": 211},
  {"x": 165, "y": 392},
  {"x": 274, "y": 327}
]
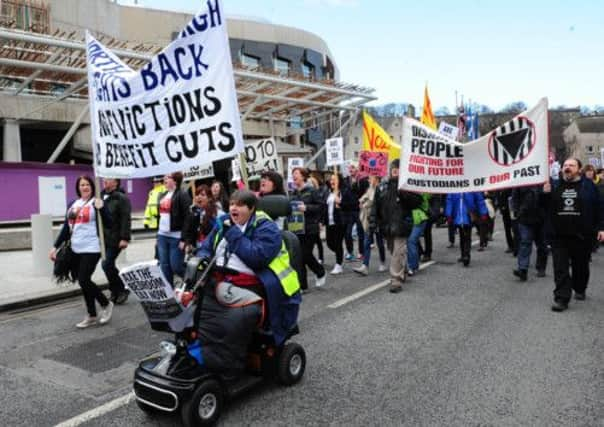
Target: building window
[
  {"x": 282, "y": 66},
  {"x": 356, "y": 140},
  {"x": 589, "y": 149},
  {"x": 308, "y": 71},
  {"x": 356, "y": 155},
  {"x": 250, "y": 61}
]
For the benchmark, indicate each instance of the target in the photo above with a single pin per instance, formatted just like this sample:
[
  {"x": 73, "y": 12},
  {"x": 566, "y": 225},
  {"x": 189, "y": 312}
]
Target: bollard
[{"x": 41, "y": 244}]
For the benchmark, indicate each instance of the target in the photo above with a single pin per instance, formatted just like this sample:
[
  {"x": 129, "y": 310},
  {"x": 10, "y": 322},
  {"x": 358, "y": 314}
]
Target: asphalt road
[{"x": 458, "y": 347}]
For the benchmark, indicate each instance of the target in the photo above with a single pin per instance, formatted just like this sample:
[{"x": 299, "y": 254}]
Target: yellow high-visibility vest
[
  {"x": 152, "y": 209},
  {"x": 280, "y": 265}
]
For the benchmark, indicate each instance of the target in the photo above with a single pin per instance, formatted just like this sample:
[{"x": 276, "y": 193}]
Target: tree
[
  {"x": 442, "y": 111},
  {"x": 514, "y": 107}
]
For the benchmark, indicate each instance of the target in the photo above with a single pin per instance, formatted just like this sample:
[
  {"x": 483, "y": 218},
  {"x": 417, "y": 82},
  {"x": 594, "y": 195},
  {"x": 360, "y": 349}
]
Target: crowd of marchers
[{"x": 563, "y": 217}]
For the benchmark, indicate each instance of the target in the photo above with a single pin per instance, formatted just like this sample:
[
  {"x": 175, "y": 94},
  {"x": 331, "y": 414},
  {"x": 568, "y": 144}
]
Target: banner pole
[
  {"x": 99, "y": 218},
  {"x": 243, "y": 167}
]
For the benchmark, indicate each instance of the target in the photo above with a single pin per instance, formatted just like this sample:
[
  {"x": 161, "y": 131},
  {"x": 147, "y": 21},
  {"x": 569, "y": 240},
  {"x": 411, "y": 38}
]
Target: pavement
[{"x": 21, "y": 287}]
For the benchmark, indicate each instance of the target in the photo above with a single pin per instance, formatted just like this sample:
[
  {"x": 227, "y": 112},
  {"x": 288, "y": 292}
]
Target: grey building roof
[{"x": 593, "y": 124}]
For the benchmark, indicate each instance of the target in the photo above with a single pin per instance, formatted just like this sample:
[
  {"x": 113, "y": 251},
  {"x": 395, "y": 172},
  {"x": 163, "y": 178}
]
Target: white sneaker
[
  {"x": 382, "y": 268},
  {"x": 106, "y": 314},
  {"x": 361, "y": 270},
  {"x": 320, "y": 281},
  {"x": 88, "y": 321},
  {"x": 337, "y": 269}
]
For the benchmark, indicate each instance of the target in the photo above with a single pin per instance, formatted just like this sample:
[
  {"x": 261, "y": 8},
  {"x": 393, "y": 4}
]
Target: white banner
[
  {"x": 602, "y": 157},
  {"x": 334, "y": 150},
  {"x": 178, "y": 111},
  {"x": 261, "y": 155},
  {"x": 448, "y": 130},
  {"x": 515, "y": 154},
  {"x": 199, "y": 172}
]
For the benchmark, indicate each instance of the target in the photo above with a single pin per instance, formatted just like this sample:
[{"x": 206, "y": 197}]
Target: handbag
[{"x": 63, "y": 268}]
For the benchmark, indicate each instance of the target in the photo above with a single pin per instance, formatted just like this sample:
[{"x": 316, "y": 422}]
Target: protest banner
[
  {"x": 373, "y": 163},
  {"x": 261, "y": 155},
  {"x": 594, "y": 161},
  {"x": 155, "y": 294},
  {"x": 515, "y": 154},
  {"x": 295, "y": 221},
  {"x": 236, "y": 169},
  {"x": 334, "y": 151},
  {"x": 176, "y": 112},
  {"x": 199, "y": 172},
  {"x": 602, "y": 157},
  {"x": 448, "y": 130}
]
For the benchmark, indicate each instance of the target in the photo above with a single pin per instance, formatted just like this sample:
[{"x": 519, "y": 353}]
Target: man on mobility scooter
[{"x": 236, "y": 344}]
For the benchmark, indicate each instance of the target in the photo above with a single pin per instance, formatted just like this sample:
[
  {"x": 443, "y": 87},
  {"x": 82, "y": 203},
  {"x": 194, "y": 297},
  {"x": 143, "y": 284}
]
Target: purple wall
[{"x": 19, "y": 187}]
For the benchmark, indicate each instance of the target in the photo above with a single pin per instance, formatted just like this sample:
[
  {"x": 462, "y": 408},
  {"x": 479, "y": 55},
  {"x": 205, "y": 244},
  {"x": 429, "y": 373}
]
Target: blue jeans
[
  {"x": 528, "y": 234},
  {"x": 171, "y": 258},
  {"x": 367, "y": 247},
  {"x": 413, "y": 245}
]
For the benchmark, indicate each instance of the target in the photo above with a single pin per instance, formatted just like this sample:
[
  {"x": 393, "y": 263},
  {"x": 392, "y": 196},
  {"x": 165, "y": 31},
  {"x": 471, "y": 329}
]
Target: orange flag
[{"x": 427, "y": 115}]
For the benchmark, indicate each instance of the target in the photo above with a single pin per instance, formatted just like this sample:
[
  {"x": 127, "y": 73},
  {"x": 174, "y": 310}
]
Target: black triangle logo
[{"x": 513, "y": 141}]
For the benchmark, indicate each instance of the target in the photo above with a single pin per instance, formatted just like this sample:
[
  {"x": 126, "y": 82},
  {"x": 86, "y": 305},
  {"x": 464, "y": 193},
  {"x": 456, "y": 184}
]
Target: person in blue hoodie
[
  {"x": 461, "y": 210},
  {"x": 251, "y": 254}
]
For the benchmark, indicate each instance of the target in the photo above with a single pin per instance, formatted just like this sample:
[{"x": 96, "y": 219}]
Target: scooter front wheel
[{"x": 205, "y": 406}]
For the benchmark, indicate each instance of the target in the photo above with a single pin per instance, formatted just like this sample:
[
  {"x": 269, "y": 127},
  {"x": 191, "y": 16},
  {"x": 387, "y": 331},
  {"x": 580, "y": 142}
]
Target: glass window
[
  {"x": 250, "y": 61},
  {"x": 282, "y": 66},
  {"x": 308, "y": 70},
  {"x": 356, "y": 140}
]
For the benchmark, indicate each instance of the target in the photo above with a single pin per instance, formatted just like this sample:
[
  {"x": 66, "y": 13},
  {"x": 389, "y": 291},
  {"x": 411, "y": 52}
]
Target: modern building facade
[{"x": 287, "y": 80}]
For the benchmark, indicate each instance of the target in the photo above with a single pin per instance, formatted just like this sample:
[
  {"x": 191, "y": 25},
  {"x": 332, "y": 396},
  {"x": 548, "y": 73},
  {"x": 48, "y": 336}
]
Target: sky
[{"x": 490, "y": 52}]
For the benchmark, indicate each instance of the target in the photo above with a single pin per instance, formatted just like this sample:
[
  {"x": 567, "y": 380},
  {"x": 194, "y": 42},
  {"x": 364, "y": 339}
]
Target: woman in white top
[{"x": 81, "y": 223}]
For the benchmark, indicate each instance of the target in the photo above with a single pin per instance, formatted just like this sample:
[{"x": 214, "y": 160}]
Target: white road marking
[
  {"x": 370, "y": 289},
  {"x": 98, "y": 411}
]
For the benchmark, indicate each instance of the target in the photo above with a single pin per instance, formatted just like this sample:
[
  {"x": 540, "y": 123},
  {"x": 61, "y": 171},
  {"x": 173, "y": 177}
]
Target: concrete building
[{"x": 585, "y": 139}]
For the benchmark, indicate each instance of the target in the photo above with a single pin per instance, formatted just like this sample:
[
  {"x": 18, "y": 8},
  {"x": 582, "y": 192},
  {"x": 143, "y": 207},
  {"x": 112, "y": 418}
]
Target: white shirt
[
  {"x": 234, "y": 262},
  {"x": 331, "y": 205},
  {"x": 83, "y": 227},
  {"x": 165, "y": 204}
]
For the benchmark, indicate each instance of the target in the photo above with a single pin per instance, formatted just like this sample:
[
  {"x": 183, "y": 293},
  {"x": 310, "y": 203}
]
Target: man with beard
[{"x": 575, "y": 210}]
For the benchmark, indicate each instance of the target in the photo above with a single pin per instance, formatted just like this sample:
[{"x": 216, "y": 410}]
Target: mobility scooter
[{"x": 174, "y": 380}]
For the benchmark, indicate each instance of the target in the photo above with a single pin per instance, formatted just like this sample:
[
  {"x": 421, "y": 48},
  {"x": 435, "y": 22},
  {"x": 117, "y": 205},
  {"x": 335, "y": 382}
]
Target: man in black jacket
[
  {"x": 117, "y": 236},
  {"x": 527, "y": 204},
  {"x": 575, "y": 211},
  {"x": 351, "y": 216},
  {"x": 391, "y": 214}
]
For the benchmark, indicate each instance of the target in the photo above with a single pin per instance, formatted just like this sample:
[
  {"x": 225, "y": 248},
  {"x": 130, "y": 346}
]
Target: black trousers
[
  {"x": 307, "y": 242},
  {"x": 571, "y": 266},
  {"x": 360, "y": 235},
  {"x": 115, "y": 283},
  {"x": 334, "y": 237},
  {"x": 319, "y": 244},
  {"x": 465, "y": 241},
  {"x": 85, "y": 265},
  {"x": 451, "y": 229},
  {"x": 427, "y": 250},
  {"x": 507, "y": 227}
]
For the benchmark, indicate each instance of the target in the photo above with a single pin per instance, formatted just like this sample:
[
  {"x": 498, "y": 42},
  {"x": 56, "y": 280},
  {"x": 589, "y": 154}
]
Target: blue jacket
[
  {"x": 459, "y": 206},
  {"x": 257, "y": 247}
]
